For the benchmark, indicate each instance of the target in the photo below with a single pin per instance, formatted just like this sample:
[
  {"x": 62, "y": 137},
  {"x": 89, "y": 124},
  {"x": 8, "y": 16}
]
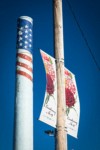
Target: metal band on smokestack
[{"x": 23, "y": 129}]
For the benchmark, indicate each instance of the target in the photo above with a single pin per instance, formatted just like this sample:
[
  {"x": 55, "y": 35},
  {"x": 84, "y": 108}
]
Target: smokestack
[{"x": 23, "y": 127}]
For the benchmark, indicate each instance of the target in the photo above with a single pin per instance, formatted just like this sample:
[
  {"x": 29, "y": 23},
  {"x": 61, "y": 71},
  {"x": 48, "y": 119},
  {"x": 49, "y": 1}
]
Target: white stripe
[
  {"x": 25, "y": 70},
  {"x": 22, "y": 60},
  {"x": 27, "y": 18},
  {"x": 23, "y": 51}
]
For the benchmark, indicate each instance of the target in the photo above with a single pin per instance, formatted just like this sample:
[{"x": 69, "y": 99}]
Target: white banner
[
  {"x": 49, "y": 109},
  {"x": 72, "y": 104}
]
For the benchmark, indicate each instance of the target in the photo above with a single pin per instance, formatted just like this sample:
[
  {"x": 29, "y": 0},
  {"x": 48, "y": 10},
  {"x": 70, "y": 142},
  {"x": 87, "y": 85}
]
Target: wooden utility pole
[{"x": 61, "y": 137}]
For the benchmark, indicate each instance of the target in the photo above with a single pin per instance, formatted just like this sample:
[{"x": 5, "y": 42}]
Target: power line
[{"x": 83, "y": 35}]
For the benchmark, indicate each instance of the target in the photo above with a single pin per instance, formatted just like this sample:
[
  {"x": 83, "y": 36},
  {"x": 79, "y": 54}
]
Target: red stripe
[
  {"x": 25, "y": 66},
  {"x": 24, "y": 74},
  {"x": 25, "y": 56}
]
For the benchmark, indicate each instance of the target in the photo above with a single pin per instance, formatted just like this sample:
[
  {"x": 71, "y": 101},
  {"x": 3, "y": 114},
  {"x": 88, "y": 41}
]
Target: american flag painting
[{"x": 24, "y": 47}]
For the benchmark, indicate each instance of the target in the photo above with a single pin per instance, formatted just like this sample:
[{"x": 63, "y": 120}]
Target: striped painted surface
[{"x": 24, "y": 64}]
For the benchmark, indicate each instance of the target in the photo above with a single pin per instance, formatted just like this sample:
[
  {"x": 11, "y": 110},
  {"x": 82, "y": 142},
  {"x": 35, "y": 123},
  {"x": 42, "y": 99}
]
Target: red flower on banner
[
  {"x": 70, "y": 100},
  {"x": 49, "y": 87}
]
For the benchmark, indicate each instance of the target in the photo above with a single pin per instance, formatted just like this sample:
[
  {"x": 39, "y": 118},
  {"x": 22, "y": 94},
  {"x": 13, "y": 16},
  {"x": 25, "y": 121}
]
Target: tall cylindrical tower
[{"x": 23, "y": 127}]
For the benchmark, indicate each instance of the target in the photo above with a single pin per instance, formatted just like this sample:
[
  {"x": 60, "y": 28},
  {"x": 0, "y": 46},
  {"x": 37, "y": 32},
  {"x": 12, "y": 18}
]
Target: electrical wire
[{"x": 83, "y": 35}]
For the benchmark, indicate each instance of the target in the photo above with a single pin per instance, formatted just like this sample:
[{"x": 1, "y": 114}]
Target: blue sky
[{"x": 77, "y": 59}]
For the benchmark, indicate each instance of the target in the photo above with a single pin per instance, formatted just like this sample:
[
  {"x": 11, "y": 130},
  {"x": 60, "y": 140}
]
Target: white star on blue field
[
  {"x": 82, "y": 57},
  {"x": 24, "y": 36}
]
